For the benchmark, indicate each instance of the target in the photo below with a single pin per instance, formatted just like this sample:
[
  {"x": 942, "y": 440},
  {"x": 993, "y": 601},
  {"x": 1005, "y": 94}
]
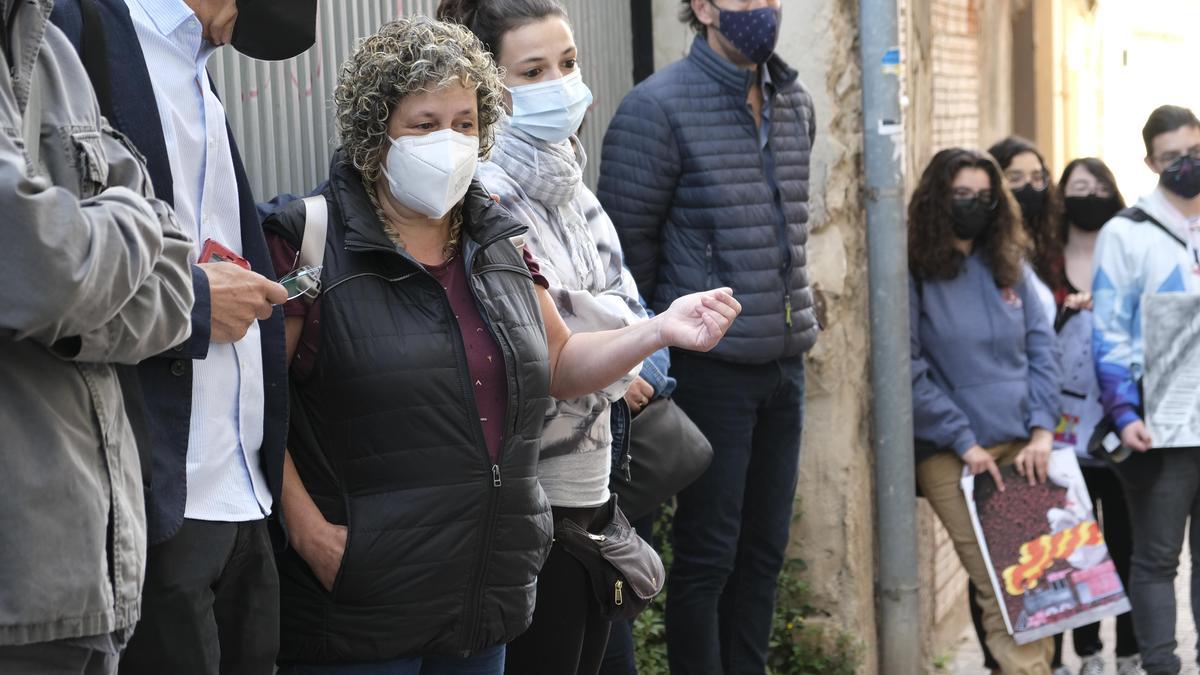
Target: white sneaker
[
  {"x": 1130, "y": 665},
  {"x": 1092, "y": 665}
]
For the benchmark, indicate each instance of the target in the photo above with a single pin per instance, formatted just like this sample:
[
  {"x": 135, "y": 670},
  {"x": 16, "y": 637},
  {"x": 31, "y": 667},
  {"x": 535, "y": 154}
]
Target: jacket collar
[
  {"x": 483, "y": 220},
  {"x": 737, "y": 80}
]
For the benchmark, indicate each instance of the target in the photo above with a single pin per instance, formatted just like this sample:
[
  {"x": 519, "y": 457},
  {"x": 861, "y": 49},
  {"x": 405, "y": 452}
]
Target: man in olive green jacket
[{"x": 94, "y": 273}]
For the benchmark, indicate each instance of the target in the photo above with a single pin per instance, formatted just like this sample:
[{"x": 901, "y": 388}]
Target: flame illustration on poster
[
  {"x": 1045, "y": 553},
  {"x": 1038, "y": 555}
]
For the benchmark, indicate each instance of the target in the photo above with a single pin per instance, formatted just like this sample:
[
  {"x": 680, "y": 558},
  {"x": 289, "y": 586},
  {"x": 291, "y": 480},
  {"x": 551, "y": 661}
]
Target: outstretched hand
[{"x": 698, "y": 321}]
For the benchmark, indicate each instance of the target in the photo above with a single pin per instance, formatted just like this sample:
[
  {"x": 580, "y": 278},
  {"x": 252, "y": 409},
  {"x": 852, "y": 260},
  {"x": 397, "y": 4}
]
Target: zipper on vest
[
  {"x": 472, "y": 621},
  {"x": 475, "y": 591}
]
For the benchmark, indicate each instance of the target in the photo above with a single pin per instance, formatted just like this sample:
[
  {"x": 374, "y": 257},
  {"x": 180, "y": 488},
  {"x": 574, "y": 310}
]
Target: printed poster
[
  {"x": 1044, "y": 550},
  {"x": 1171, "y": 332}
]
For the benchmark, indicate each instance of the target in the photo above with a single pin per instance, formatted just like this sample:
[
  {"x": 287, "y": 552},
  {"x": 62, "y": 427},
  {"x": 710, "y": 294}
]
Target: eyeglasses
[
  {"x": 1019, "y": 179},
  {"x": 302, "y": 282},
  {"x": 1084, "y": 189},
  {"x": 1168, "y": 158},
  {"x": 984, "y": 196}
]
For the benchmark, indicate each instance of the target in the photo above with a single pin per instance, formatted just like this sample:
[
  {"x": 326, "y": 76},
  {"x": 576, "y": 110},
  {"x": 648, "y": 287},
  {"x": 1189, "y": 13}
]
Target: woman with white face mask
[
  {"x": 420, "y": 375},
  {"x": 536, "y": 171}
]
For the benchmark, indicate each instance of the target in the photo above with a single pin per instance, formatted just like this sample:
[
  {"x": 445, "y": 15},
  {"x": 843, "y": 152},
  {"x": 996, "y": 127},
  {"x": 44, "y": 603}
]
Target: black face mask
[
  {"x": 1090, "y": 213},
  {"x": 1182, "y": 177},
  {"x": 971, "y": 217},
  {"x": 273, "y": 30},
  {"x": 1032, "y": 201}
]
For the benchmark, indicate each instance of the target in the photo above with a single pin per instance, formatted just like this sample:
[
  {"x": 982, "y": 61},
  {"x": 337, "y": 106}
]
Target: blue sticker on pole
[{"x": 891, "y": 61}]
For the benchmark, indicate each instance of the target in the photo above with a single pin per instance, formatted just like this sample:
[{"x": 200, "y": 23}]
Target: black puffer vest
[{"x": 444, "y": 547}]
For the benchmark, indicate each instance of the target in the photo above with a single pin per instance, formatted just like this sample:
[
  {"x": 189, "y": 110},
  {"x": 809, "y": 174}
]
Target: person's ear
[
  {"x": 706, "y": 13},
  {"x": 1150, "y": 163}
]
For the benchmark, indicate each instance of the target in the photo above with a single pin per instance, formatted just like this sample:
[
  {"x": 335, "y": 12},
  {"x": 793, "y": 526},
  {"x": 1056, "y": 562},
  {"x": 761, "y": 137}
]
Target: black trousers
[
  {"x": 568, "y": 634},
  {"x": 210, "y": 605}
]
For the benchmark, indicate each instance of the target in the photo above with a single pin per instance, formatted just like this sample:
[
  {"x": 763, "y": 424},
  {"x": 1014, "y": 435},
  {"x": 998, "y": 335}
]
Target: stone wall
[{"x": 835, "y": 535}]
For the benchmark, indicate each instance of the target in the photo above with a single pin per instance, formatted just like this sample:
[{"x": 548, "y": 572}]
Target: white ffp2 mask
[
  {"x": 431, "y": 173},
  {"x": 551, "y": 110}
]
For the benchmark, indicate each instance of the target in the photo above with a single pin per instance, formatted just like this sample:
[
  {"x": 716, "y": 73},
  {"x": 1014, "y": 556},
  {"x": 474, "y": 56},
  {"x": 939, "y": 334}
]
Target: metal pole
[{"x": 892, "y": 440}]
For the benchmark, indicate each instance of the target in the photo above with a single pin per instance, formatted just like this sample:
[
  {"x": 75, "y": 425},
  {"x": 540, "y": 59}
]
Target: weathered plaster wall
[{"x": 835, "y": 535}]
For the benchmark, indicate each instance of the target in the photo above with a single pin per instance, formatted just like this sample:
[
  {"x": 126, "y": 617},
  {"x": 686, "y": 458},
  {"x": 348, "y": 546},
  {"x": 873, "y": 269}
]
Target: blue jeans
[
  {"x": 487, "y": 662},
  {"x": 732, "y": 525},
  {"x": 1162, "y": 488}
]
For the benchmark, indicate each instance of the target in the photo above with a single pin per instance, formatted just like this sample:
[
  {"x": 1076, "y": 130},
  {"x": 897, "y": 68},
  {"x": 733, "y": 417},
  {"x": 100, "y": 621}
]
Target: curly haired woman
[
  {"x": 421, "y": 376},
  {"x": 984, "y": 363}
]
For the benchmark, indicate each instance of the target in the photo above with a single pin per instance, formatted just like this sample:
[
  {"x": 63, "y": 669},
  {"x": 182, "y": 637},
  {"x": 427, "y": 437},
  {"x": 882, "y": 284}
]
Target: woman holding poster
[{"x": 984, "y": 362}]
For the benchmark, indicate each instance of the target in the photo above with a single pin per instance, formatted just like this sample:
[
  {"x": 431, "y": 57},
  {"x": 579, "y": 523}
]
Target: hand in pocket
[{"x": 323, "y": 548}]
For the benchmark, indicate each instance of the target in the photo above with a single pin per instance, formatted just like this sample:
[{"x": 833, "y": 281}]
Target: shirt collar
[
  {"x": 768, "y": 85},
  {"x": 167, "y": 15}
]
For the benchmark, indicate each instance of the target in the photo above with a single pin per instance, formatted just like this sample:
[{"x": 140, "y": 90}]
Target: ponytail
[{"x": 489, "y": 20}]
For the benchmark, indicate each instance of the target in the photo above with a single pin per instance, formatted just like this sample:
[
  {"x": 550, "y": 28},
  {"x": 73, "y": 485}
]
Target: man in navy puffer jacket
[{"x": 705, "y": 175}]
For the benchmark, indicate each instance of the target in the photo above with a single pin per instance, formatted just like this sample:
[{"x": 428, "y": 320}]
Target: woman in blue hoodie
[{"x": 984, "y": 361}]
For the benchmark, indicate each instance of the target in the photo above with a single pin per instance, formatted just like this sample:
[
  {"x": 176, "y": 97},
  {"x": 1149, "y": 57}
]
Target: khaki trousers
[{"x": 938, "y": 478}]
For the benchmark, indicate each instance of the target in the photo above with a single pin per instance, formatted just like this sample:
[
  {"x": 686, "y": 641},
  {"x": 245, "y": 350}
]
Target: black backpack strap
[
  {"x": 94, "y": 54},
  {"x": 1137, "y": 215}
]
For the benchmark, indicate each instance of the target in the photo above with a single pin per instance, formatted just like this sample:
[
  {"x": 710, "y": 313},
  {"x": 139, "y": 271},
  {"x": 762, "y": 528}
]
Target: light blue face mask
[{"x": 553, "y": 110}]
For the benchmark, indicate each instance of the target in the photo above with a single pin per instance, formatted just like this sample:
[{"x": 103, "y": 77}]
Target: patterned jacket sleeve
[{"x": 1116, "y": 317}]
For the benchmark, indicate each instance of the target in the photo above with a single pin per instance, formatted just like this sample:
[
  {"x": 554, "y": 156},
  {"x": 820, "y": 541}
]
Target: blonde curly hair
[{"x": 406, "y": 56}]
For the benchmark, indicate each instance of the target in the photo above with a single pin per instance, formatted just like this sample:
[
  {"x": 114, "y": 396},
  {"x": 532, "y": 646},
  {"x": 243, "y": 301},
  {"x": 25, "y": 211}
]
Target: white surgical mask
[
  {"x": 552, "y": 110},
  {"x": 431, "y": 173}
]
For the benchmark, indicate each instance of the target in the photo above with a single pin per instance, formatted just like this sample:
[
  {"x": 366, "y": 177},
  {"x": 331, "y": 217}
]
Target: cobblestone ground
[{"x": 968, "y": 659}]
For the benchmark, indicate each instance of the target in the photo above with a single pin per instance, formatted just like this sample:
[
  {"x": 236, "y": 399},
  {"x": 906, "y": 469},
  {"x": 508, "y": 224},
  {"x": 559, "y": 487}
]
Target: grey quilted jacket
[{"x": 688, "y": 187}]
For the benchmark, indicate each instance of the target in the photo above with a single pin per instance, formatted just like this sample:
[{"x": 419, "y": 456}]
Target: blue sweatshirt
[{"x": 984, "y": 361}]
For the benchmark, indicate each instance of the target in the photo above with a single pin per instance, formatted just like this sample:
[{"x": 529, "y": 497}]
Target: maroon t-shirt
[{"x": 485, "y": 360}]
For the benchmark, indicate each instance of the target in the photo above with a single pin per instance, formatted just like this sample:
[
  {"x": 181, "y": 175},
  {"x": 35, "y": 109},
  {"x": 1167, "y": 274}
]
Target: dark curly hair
[
  {"x": 1046, "y": 229},
  {"x": 931, "y": 252},
  {"x": 403, "y": 57},
  {"x": 406, "y": 56}
]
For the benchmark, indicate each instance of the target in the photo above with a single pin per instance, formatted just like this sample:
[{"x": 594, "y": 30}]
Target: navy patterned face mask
[{"x": 753, "y": 32}]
